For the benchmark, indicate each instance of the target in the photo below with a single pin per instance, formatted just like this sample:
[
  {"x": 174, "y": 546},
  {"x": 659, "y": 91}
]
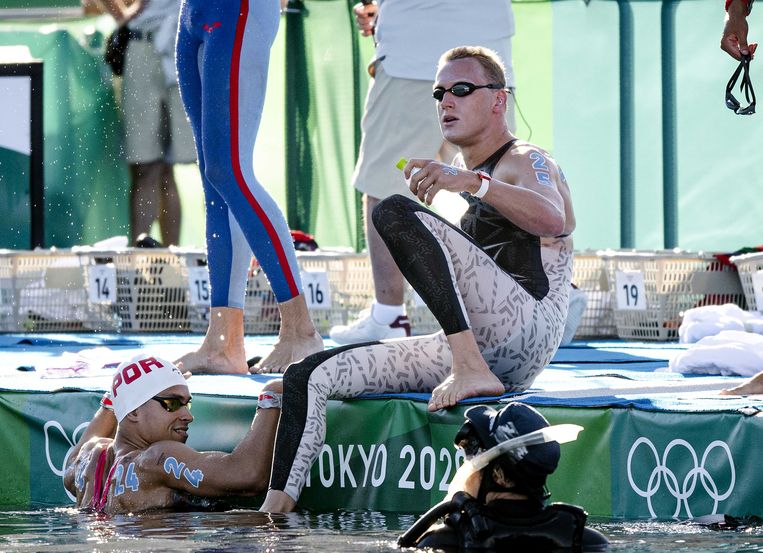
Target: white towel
[
  {"x": 729, "y": 353},
  {"x": 709, "y": 320}
]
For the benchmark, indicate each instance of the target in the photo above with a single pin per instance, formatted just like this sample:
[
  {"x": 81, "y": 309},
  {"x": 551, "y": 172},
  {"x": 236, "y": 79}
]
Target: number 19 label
[
  {"x": 315, "y": 285},
  {"x": 102, "y": 283},
  {"x": 629, "y": 287}
]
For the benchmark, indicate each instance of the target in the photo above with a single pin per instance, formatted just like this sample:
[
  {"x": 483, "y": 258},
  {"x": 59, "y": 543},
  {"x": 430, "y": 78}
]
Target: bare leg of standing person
[
  {"x": 146, "y": 180},
  {"x": 170, "y": 213},
  {"x": 231, "y": 61}
]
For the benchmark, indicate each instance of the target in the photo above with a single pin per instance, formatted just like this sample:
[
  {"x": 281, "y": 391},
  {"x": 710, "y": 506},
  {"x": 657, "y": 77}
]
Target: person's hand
[
  {"x": 126, "y": 13},
  {"x": 734, "y": 39},
  {"x": 428, "y": 177},
  {"x": 365, "y": 17}
]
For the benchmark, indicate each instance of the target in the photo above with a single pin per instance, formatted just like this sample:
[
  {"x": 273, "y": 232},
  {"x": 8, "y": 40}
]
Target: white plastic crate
[
  {"x": 7, "y": 292},
  {"x": 153, "y": 289},
  {"x": 651, "y": 290},
  {"x": 336, "y": 286},
  {"x": 589, "y": 273},
  {"x": 51, "y": 294},
  {"x": 750, "y": 268},
  {"x": 349, "y": 279}
]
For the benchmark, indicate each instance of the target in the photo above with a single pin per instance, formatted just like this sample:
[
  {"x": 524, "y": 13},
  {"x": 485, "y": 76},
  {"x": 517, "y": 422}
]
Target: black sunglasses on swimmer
[
  {"x": 172, "y": 404},
  {"x": 462, "y": 89}
]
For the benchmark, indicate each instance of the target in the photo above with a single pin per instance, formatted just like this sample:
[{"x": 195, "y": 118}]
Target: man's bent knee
[{"x": 396, "y": 207}]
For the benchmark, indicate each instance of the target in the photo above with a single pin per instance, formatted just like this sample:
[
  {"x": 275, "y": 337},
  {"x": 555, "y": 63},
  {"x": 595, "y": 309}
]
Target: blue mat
[{"x": 601, "y": 374}]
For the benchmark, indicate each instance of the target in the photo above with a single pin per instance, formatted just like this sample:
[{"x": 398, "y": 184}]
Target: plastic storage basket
[
  {"x": 51, "y": 294},
  {"x": 336, "y": 286},
  {"x": 589, "y": 273},
  {"x": 750, "y": 268},
  {"x": 7, "y": 292},
  {"x": 153, "y": 293},
  {"x": 651, "y": 290}
]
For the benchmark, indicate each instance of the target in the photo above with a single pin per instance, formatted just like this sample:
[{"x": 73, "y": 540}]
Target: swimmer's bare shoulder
[
  {"x": 530, "y": 166},
  {"x": 520, "y": 164}
]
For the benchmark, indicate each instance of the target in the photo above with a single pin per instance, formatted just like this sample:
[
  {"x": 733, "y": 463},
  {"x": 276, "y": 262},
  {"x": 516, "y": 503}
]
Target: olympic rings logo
[
  {"x": 54, "y": 465},
  {"x": 683, "y": 491}
]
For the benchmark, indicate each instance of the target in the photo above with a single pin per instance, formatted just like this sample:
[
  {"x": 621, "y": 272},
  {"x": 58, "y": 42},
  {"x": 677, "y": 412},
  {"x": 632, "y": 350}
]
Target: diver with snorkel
[{"x": 497, "y": 500}]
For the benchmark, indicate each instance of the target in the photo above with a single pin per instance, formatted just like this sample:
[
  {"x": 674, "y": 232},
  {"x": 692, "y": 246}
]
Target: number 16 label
[
  {"x": 629, "y": 287},
  {"x": 315, "y": 285}
]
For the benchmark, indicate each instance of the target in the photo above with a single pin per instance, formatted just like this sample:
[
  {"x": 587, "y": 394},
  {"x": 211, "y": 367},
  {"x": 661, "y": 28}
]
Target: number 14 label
[
  {"x": 102, "y": 283},
  {"x": 629, "y": 287},
  {"x": 315, "y": 285}
]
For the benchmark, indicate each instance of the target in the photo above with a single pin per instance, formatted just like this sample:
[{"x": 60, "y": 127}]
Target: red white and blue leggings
[{"x": 223, "y": 49}]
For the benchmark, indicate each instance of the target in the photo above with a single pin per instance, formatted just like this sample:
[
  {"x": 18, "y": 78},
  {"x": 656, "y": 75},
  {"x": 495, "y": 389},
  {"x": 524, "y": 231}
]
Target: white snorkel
[{"x": 561, "y": 433}]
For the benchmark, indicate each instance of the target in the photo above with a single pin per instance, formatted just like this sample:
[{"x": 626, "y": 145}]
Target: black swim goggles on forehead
[
  {"x": 462, "y": 89},
  {"x": 172, "y": 404},
  {"x": 745, "y": 87}
]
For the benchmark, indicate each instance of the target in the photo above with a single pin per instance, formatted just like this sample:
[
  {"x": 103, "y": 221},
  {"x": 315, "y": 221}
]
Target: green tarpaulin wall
[
  {"x": 567, "y": 60},
  {"x": 626, "y": 463}
]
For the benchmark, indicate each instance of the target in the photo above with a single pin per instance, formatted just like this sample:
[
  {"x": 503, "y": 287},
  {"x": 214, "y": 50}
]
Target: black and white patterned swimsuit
[{"x": 508, "y": 286}]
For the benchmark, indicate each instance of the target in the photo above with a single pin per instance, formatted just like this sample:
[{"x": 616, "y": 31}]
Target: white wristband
[
  {"x": 484, "y": 186},
  {"x": 269, "y": 400}
]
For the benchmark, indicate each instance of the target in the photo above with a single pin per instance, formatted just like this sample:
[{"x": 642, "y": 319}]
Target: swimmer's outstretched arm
[{"x": 244, "y": 471}]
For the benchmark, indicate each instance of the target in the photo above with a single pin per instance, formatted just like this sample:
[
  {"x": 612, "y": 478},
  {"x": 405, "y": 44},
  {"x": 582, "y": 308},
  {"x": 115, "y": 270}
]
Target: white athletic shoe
[
  {"x": 365, "y": 329},
  {"x": 578, "y": 303}
]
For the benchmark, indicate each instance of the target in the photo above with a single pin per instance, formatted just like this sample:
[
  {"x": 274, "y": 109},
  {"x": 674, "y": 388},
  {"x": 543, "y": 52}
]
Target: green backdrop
[{"x": 393, "y": 455}]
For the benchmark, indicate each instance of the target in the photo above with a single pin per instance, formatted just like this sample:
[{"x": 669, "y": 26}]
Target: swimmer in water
[{"x": 133, "y": 457}]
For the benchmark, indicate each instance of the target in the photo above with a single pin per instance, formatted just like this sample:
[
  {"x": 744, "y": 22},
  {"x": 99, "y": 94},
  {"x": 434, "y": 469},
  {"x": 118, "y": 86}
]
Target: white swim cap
[{"x": 139, "y": 379}]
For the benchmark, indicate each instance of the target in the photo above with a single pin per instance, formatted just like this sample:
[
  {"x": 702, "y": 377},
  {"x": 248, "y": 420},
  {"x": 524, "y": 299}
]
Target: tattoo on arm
[
  {"x": 79, "y": 476},
  {"x": 130, "y": 479},
  {"x": 179, "y": 470},
  {"x": 542, "y": 172}
]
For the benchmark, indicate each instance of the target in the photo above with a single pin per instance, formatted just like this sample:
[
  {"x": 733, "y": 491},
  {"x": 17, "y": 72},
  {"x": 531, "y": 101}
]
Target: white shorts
[{"x": 155, "y": 124}]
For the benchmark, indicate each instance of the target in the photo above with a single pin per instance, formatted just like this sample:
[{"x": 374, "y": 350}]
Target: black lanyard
[{"x": 745, "y": 87}]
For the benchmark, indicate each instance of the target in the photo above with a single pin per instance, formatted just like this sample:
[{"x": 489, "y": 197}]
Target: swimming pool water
[{"x": 66, "y": 529}]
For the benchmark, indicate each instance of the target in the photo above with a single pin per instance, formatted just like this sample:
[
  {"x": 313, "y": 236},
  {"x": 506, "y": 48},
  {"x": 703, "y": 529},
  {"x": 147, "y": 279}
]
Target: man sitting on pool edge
[{"x": 133, "y": 457}]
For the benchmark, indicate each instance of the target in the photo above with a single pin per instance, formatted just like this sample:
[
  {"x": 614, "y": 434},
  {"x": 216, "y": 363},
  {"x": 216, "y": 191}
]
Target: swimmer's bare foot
[
  {"x": 296, "y": 340},
  {"x": 470, "y": 375},
  {"x": 465, "y": 385},
  {"x": 288, "y": 350},
  {"x": 207, "y": 362},
  {"x": 222, "y": 351},
  {"x": 751, "y": 387}
]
